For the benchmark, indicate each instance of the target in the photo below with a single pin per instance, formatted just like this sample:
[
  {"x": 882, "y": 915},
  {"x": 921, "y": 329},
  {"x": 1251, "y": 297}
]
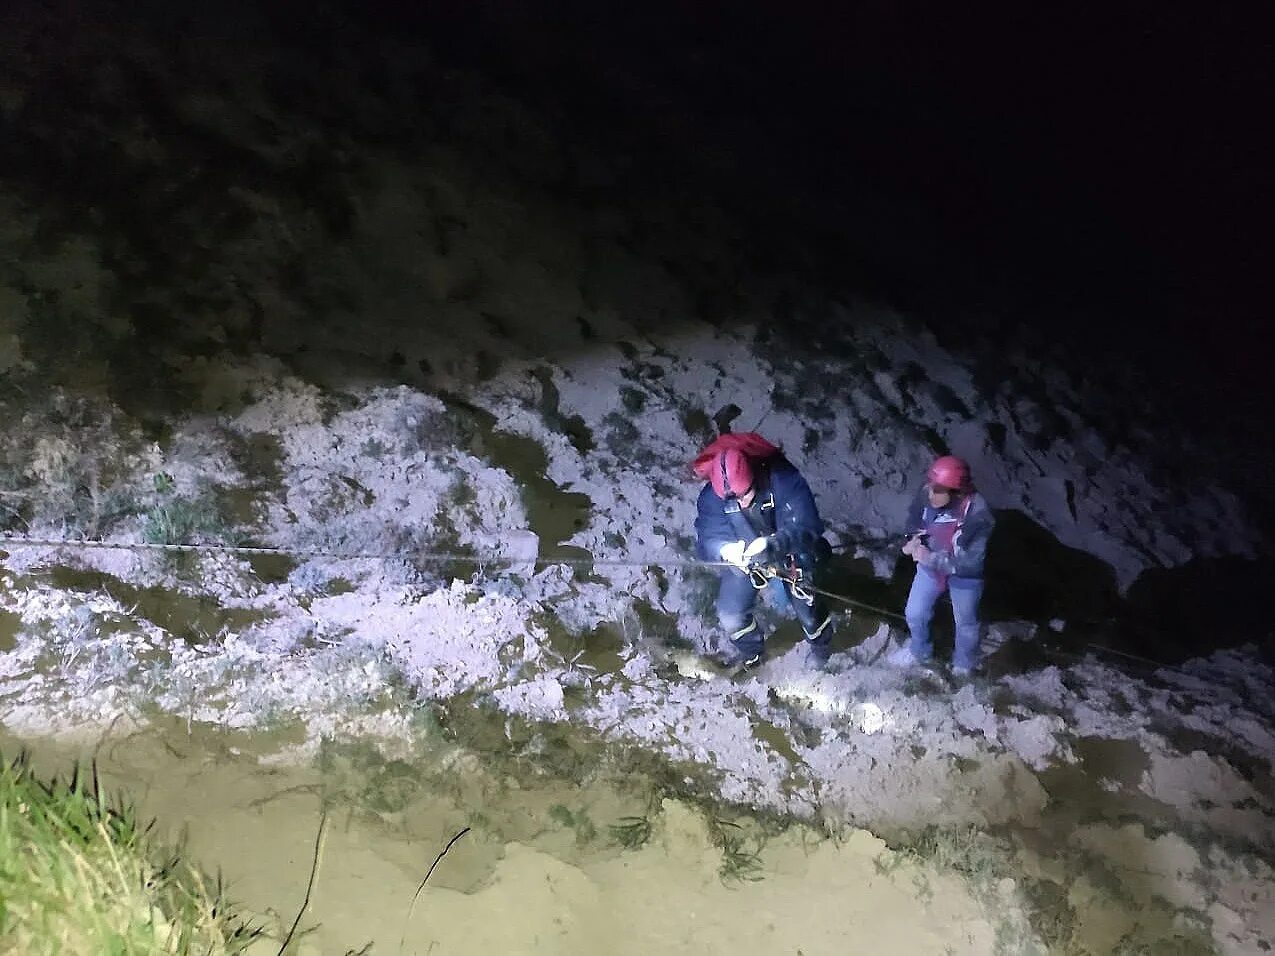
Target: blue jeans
[
  {"x": 736, "y": 599},
  {"x": 926, "y": 590}
]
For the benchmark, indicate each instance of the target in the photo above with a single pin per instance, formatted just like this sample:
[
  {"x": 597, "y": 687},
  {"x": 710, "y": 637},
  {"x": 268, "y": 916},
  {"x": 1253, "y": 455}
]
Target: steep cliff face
[
  {"x": 367, "y": 217},
  {"x": 452, "y": 362}
]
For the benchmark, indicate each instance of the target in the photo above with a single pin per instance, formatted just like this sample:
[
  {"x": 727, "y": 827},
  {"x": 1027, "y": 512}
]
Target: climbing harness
[{"x": 762, "y": 575}]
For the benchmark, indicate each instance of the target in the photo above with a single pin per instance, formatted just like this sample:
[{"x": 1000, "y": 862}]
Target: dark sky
[
  {"x": 1095, "y": 173},
  {"x": 1093, "y": 169}
]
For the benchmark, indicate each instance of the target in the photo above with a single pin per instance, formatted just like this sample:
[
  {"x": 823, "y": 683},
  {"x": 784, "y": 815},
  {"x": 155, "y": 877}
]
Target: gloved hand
[
  {"x": 734, "y": 554},
  {"x": 917, "y": 539},
  {"x": 758, "y": 549}
]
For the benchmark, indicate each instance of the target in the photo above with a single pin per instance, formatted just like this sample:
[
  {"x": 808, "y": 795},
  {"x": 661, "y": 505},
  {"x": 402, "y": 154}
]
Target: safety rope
[
  {"x": 880, "y": 611},
  {"x": 765, "y": 573},
  {"x": 762, "y": 574},
  {"x": 467, "y": 557},
  {"x": 429, "y": 557}
]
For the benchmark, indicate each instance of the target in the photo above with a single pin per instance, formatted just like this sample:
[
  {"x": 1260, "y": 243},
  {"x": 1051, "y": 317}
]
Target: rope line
[
  {"x": 431, "y": 557},
  {"x": 437, "y": 557},
  {"x": 425, "y": 556},
  {"x": 880, "y": 611}
]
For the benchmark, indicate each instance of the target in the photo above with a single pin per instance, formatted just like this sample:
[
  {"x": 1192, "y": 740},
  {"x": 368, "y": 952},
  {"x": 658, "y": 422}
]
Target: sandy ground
[{"x": 545, "y": 893}]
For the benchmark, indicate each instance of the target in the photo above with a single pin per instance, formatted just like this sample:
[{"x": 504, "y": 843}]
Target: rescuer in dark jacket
[{"x": 756, "y": 509}]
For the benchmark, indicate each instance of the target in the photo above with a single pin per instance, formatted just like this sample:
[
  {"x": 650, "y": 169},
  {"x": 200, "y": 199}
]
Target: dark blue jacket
[{"x": 797, "y": 527}]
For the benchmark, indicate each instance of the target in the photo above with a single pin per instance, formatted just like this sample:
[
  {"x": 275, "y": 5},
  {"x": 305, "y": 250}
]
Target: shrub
[{"x": 66, "y": 461}]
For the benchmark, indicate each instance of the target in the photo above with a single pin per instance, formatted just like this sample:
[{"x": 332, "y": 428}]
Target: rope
[
  {"x": 1134, "y": 657},
  {"x": 433, "y": 557},
  {"x": 773, "y": 574},
  {"x": 423, "y": 556},
  {"x": 472, "y": 558},
  {"x": 764, "y": 574},
  {"x": 882, "y": 612},
  {"x": 429, "y": 557}
]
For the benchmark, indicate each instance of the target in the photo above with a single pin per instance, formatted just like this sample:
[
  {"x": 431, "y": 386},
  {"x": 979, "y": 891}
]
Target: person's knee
[
  {"x": 919, "y": 613},
  {"x": 965, "y": 610},
  {"x": 811, "y": 613}
]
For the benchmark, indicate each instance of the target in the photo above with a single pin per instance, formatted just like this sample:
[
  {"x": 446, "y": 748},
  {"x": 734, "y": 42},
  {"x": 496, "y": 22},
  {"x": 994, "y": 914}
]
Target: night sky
[
  {"x": 1109, "y": 152},
  {"x": 1091, "y": 179},
  {"x": 1094, "y": 175}
]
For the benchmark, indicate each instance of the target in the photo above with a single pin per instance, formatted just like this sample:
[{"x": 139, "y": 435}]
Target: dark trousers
[{"x": 736, "y": 599}]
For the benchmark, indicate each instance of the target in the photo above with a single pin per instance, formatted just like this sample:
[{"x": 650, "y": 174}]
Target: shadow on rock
[
  {"x": 1172, "y": 614},
  {"x": 1033, "y": 576},
  {"x": 856, "y": 579}
]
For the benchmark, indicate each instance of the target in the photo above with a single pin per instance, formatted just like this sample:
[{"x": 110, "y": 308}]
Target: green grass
[
  {"x": 81, "y": 876},
  {"x": 585, "y": 830},
  {"x": 631, "y": 832},
  {"x": 181, "y": 521},
  {"x": 967, "y": 849},
  {"x": 983, "y": 860},
  {"x": 741, "y": 856},
  {"x": 178, "y": 519}
]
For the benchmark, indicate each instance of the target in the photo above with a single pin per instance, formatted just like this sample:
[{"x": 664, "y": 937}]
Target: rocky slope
[{"x": 452, "y": 366}]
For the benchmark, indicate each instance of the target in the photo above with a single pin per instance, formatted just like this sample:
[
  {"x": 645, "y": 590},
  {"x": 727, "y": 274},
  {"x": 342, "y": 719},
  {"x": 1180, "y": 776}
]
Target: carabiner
[
  {"x": 760, "y": 575},
  {"x": 800, "y": 593}
]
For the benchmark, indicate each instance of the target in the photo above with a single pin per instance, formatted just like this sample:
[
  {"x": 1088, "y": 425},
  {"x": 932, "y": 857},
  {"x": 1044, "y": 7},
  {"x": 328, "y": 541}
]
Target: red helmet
[
  {"x": 727, "y": 462},
  {"x": 950, "y": 472},
  {"x": 732, "y": 474}
]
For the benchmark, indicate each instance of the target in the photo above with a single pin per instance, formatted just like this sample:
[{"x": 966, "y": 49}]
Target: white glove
[
  {"x": 734, "y": 554},
  {"x": 756, "y": 546}
]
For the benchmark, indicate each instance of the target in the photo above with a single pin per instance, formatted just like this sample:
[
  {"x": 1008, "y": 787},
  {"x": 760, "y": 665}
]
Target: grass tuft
[
  {"x": 631, "y": 832},
  {"x": 80, "y": 876},
  {"x": 741, "y": 862},
  {"x": 181, "y": 521}
]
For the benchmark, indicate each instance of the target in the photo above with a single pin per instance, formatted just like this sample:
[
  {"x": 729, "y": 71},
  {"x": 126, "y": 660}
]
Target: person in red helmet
[
  {"x": 949, "y": 526},
  {"x": 756, "y": 508}
]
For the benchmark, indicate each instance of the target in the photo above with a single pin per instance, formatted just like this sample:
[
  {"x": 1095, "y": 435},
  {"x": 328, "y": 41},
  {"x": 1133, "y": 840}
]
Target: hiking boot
[
  {"x": 817, "y": 655},
  {"x": 737, "y": 662},
  {"x": 960, "y": 672}
]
